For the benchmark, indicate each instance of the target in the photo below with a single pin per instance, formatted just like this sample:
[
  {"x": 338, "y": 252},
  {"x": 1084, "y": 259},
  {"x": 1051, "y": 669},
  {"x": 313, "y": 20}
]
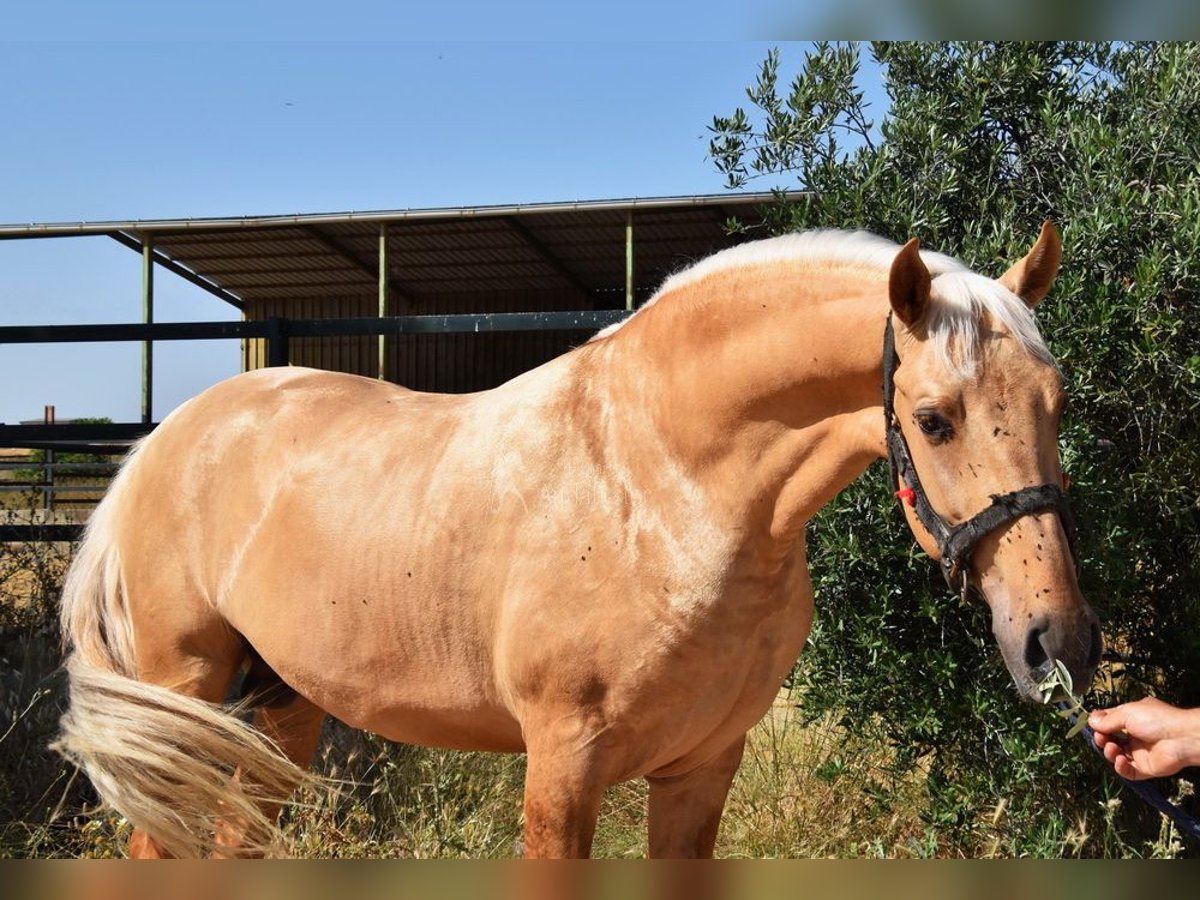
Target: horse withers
[{"x": 600, "y": 563}]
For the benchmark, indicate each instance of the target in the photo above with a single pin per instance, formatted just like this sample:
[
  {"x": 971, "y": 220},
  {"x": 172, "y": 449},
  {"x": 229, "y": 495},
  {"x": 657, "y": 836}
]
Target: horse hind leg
[
  {"x": 161, "y": 750},
  {"x": 151, "y": 661},
  {"x": 295, "y": 727},
  {"x": 291, "y": 722},
  {"x": 205, "y": 676}
]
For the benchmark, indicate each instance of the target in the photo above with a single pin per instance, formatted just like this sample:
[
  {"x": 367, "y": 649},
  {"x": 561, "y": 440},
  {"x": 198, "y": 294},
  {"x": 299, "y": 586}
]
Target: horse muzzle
[{"x": 1072, "y": 637}]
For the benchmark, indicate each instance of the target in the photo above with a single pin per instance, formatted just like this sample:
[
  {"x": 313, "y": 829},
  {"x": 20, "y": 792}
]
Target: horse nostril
[{"x": 1035, "y": 653}]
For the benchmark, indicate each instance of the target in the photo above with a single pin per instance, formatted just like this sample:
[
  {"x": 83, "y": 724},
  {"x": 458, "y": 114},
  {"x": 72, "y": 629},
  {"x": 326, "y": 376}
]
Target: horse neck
[{"x": 769, "y": 402}]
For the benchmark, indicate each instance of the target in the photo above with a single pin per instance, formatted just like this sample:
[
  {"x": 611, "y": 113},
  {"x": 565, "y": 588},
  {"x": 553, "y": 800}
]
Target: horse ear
[
  {"x": 1031, "y": 278},
  {"x": 908, "y": 284}
]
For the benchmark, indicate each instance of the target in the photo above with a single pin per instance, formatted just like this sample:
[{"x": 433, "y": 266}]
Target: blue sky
[
  {"x": 152, "y": 129},
  {"x": 358, "y": 20}
]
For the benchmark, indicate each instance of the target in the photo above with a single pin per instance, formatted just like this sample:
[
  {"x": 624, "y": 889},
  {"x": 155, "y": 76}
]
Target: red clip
[
  {"x": 1066, "y": 481},
  {"x": 908, "y": 495}
]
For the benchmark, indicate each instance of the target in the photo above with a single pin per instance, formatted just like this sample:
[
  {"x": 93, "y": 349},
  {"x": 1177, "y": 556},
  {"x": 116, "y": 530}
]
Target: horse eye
[{"x": 934, "y": 426}]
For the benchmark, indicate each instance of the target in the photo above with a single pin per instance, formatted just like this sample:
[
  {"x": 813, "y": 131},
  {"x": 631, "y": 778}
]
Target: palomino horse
[{"x": 600, "y": 563}]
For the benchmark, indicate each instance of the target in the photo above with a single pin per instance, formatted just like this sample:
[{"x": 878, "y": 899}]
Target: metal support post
[
  {"x": 147, "y": 317},
  {"x": 629, "y": 259},
  {"x": 48, "y": 464},
  {"x": 383, "y": 295},
  {"x": 277, "y": 342}
]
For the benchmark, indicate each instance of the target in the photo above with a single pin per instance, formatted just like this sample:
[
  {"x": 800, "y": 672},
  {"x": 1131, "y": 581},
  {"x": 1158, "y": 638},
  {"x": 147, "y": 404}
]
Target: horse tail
[{"x": 175, "y": 766}]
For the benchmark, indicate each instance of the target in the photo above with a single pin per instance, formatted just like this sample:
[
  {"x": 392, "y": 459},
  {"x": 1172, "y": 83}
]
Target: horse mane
[{"x": 962, "y": 298}]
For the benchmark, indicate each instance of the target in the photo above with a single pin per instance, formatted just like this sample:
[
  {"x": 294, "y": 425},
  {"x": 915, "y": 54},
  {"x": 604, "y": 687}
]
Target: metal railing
[
  {"x": 51, "y": 497},
  {"x": 43, "y": 478}
]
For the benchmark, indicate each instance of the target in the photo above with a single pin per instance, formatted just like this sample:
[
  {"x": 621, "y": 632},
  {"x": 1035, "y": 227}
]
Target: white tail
[{"x": 164, "y": 761}]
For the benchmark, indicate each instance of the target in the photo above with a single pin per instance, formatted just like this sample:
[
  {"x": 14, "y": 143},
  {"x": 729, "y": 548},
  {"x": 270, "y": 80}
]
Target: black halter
[{"x": 956, "y": 542}]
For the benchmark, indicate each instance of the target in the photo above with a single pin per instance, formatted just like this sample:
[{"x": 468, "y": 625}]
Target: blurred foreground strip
[{"x": 587, "y": 880}]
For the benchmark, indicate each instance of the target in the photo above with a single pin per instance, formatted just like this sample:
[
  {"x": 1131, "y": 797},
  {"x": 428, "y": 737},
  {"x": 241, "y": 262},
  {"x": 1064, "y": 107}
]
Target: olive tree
[{"x": 980, "y": 143}]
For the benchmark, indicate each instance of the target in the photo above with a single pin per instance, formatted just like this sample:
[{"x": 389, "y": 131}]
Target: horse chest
[
  {"x": 715, "y": 670},
  {"x": 753, "y": 631}
]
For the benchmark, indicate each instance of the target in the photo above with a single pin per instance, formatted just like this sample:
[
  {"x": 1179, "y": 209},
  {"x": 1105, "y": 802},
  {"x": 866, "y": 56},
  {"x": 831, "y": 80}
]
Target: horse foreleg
[
  {"x": 563, "y": 789},
  {"x": 685, "y": 810}
]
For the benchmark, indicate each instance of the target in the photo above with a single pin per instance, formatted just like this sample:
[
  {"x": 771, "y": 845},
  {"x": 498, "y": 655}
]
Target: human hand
[{"x": 1147, "y": 738}]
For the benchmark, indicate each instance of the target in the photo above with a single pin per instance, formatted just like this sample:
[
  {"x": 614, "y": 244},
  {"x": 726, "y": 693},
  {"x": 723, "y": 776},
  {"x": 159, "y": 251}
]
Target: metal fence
[{"x": 51, "y": 482}]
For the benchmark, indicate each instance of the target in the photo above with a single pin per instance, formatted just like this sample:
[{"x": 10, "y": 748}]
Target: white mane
[{"x": 961, "y": 297}]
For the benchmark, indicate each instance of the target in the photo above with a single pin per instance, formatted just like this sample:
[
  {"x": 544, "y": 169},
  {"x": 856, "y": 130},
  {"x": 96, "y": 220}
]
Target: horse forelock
[{"x": 963, "y": 300}]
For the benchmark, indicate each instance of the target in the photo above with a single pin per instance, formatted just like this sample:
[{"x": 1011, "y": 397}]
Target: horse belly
[
  {"x": 365, "y": 676},
  {"x": 459, "y": 728}
]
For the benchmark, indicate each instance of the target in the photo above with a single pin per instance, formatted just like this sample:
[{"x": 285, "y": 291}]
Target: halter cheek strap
[{"x": 957, "y": 542}]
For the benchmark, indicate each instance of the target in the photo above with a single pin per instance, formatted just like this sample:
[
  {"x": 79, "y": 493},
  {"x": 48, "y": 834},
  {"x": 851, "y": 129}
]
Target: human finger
[
  {"x": 1126, "y": 769},
  {"x": 1108, "y": 720}
]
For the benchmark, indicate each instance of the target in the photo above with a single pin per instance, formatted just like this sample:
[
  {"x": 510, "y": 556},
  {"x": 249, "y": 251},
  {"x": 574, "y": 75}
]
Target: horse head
[{"x": 974, "y": 402}]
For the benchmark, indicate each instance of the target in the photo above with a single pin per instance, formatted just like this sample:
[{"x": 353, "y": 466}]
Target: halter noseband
[{"x": 956, "y": 542}]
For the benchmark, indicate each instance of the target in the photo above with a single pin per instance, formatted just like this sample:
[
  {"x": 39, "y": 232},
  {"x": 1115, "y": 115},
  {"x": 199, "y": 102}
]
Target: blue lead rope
[{"x": 1187, "y": 824}]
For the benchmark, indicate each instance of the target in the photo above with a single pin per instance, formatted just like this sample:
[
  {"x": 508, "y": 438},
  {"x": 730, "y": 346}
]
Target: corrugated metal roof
[{"x": 576, "y": 246}]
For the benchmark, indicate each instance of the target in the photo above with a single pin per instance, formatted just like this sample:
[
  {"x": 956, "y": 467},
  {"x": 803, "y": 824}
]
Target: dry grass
[
  {"x": 810, "y": 791},
  {"x": 397, "y": 801},
  {"x": 802, "y": 791}
]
